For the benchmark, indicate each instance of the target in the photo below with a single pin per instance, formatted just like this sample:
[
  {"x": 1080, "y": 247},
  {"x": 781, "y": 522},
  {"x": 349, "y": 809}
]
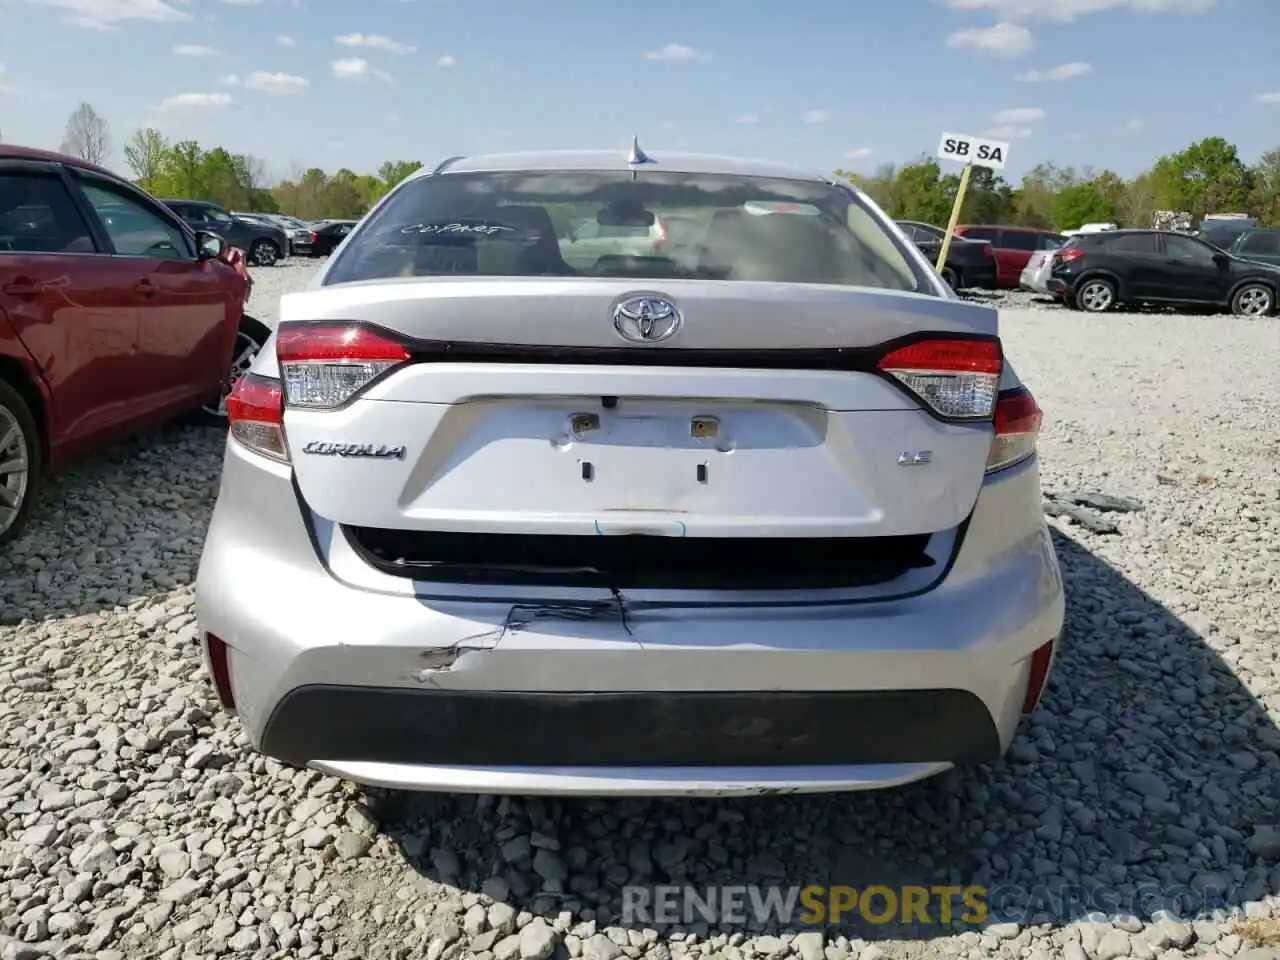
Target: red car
[
  {"x": 1013, "y": 247},
  {"x": 114, "y": 317}
]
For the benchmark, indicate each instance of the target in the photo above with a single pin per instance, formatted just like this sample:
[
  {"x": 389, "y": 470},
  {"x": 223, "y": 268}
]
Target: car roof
[
  {"x": 607, "y": 160},
  {"x": 1006, "y": 226},
  {"x": 11, "y": 151}
]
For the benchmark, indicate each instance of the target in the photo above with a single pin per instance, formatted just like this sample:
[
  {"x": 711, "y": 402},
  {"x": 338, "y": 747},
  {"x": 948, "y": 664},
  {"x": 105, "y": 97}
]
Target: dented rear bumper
[{"x": 374, "y": 683}]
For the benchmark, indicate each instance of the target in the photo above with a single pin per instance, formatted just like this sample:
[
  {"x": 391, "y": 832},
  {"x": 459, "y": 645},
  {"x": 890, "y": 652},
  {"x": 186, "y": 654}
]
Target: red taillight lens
[
  {"x": 220, "y": 670},
  {"x": 1067, "y": 254},
  {"x": 1041, "y": 660},
  {"x": 1017, "y": 422},
  {"x": 314, "y": 238},
  {"x": 325, "y": 365},
  {"x": 957, "y": 378},
  {"x": 255, "y": 412}
]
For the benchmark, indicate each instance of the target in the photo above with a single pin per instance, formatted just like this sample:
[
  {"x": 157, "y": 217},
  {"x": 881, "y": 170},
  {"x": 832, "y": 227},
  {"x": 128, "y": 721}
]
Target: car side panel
[{"x": 81, "y": 329}]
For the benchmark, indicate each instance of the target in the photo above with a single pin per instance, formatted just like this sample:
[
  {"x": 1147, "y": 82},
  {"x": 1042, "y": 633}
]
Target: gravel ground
[{"x": 134, "y": 823}]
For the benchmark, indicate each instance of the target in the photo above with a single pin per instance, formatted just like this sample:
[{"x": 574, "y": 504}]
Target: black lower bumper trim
[{"x": 466, "y": 728}]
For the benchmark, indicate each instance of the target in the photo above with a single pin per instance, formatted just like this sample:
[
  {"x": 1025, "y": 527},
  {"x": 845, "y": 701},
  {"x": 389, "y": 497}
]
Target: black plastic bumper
[{"x": 466, "y": 728}]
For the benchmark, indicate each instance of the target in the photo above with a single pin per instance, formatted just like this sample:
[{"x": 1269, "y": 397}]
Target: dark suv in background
[
  {"x": 262, "y": 243},
  {"x": 970, "y": 263},
  {"x": 1097, "y": 271}
]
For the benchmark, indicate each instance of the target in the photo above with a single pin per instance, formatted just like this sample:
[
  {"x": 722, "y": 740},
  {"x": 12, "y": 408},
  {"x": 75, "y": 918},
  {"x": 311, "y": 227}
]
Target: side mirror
[{"x": 210, "y": 245}]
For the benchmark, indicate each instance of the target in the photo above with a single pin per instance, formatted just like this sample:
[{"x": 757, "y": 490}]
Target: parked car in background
[
  {"x": 1261, "y": 245},
  {"x": 970, "y": 263},
  {"x": 326, "y": 237},
  {"x": 1099, "y": 271},
  {"x": 1223, "y": 232},
  {"x": 114, "y": 317},
  {"x": 263, "y": 243},
  {"x": 1013, "y": 247},
  {"x": 655, "y": 525},
  {"x": 1036, "y": 274},
  {"x": 299, "y": 233}
]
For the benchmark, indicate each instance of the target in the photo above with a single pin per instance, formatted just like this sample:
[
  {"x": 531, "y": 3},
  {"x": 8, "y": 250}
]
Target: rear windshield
[{"x": 650, "y": 225}]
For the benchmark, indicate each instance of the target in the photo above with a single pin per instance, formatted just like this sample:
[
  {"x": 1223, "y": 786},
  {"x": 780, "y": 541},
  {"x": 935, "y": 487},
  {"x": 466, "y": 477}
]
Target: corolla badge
[
  {"x": 646, "y": 318},
  {"x": 321, "y": 448}
]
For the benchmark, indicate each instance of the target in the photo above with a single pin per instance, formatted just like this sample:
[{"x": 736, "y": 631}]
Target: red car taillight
[
  {"x": 220, "y": 669},
  {"x": 255, "y": 414},
  {"x": 1067, "y": 254},
  {"x": 325, "y": 365},
  {"x": 958, "y": 379},
  {"x": 1017, "y": 422},
  {"x": 314, "y": 238}
]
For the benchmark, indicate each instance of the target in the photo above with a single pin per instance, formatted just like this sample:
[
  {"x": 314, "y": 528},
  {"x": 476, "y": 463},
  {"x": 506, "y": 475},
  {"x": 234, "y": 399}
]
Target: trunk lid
[{"x": 747, "y": 422}]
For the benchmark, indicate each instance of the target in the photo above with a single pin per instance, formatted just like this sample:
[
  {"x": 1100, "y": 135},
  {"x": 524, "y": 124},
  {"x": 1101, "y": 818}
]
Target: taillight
[
  {"x": 958, "y": 379},
  {"x": 1067, "y": 254},
  {"x": 314, "y": 238},
  {"x": 1017, "y": 424},
  {"x": 325, "y": 365},
  {"x": 1041, "y": 660},
  {"x": 220, "y": 668},
  {"x": 255, "y": 413}
]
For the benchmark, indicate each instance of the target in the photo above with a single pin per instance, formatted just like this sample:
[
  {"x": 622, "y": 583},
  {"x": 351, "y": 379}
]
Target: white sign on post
[{"x": 978, "y": 151}]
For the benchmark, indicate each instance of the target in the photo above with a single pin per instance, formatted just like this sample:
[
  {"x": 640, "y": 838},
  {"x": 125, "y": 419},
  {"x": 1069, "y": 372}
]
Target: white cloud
[
  {"x": 748, "y": 118},
  {"x": 275, "y": 82},
  {"x": 1006, "y": 131},
  {"x": 285, "y": 41},
  {"x": 1016, "y": 115},
  {"x": 241, "y": 3},
  {"x": 1064, "y": 71},
  {"x": 105, "y": 14},
  {"x": 446, "y": 61},
  {"x": 230, "y": 80},
  {"x": 194, "y": 50},
  {"x": 676, "y": 51},
  {"x": 1133, "y": 126},
  {"x": 374, "y": 42},
  {"x": 858, "y": 153},
  {"x": 1267, "y": 97},
  {"x": 1006, "y": 40},
  {"x": 1065, "y": 11},
  {"x": 816, "y": 116},
  {"x": 196, "y": 101},
  {"x": 354, "y": 68}
]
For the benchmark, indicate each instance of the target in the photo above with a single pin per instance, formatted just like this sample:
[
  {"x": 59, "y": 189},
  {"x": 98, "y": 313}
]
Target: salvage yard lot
[{"x": 133, "y": 820}]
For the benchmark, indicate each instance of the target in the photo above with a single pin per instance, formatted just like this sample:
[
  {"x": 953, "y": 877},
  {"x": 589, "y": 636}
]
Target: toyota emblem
[{"x": 646, "y": 319}]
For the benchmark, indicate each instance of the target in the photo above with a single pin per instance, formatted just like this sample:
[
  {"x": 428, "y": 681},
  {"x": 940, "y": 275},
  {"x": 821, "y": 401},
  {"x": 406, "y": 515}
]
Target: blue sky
[{"x": 854, "y": 83}]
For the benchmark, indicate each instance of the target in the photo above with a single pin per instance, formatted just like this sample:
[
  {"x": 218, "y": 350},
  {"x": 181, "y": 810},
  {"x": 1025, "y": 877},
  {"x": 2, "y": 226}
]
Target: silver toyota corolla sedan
[{"x": 751, "y": 507}]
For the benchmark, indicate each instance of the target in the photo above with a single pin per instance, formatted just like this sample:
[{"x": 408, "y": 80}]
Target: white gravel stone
[{"x": 134, "y": 820}]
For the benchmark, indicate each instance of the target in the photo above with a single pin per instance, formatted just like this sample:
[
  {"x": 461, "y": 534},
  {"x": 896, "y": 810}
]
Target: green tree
[{"x": 146, "y": 154}]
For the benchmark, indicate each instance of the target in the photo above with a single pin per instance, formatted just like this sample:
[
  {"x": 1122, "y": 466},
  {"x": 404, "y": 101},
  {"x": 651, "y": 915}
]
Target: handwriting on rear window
[{"x": 458, "y": 229}]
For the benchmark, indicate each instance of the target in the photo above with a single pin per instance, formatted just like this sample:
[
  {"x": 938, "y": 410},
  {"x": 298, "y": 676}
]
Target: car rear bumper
[{"x": 392, "y": 689}]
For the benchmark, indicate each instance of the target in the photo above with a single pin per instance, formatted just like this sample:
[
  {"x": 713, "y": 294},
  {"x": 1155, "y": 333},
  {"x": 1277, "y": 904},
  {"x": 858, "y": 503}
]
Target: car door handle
[
  {"x": 23, "y": 287},
  {"x": 146, "y": 288}
]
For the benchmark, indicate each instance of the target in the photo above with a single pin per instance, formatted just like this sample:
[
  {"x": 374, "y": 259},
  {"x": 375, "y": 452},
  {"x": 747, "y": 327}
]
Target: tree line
[
  {"x": 1207, "y": 177},
  {"x": 185, "y": 169}
]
